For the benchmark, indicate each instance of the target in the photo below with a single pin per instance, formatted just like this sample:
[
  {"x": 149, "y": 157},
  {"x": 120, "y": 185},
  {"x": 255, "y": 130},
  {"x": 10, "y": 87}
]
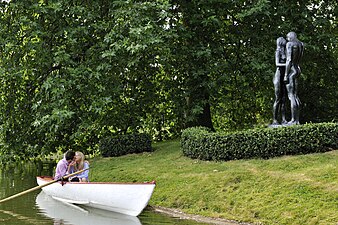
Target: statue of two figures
[{"x": 288, "y": 55}]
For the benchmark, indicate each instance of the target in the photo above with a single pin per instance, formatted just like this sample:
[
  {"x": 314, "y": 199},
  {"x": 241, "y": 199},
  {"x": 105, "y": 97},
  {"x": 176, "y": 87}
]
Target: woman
[
  {"x": 80, "y": 164},
  {"x": 280, "y": 88}
]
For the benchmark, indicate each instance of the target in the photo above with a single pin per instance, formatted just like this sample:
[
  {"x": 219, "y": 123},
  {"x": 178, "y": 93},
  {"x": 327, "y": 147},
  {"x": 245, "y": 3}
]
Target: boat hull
[
  {"x": 72, "y": 214},
  {"x": 125, "y": 198}
]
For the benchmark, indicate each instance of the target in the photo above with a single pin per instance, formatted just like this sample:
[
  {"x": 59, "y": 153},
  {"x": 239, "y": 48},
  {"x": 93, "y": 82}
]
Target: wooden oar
[{"x": 41, "y": 186}]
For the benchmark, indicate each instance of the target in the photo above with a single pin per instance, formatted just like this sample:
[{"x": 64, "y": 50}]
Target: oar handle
[{"x": 41, "y": 186}]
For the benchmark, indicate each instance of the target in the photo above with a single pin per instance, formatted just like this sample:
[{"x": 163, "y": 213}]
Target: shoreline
[{"x": 184, "y": 216}]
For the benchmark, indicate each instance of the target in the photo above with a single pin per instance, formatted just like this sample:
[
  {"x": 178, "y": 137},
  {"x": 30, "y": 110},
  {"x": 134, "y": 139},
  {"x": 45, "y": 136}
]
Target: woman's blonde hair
[
  {"x": 80, "y": 165},
  {"x": 281, "y": 42}
]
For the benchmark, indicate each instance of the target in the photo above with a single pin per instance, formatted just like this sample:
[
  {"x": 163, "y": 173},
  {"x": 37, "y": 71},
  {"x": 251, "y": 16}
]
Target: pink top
[{"x": 61, "y": 169}]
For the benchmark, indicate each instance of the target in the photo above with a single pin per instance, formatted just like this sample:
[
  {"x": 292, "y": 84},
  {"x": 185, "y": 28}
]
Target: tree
[
  {"x": 73, "y": 72},
  {"x": 83, "y": 69}
]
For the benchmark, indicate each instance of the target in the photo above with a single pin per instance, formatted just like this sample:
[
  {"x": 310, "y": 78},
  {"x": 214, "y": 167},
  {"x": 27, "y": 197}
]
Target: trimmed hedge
[
  {"x": 200, "y": 143},
  {"x": 125, "y": 144}
]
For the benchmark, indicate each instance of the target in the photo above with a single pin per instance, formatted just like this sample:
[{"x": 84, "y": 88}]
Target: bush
[
  {"x": 200, "y": 143},
  {"x": 125, "y": 144}
]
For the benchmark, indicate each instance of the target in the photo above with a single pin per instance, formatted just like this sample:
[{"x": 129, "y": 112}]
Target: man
[
  {"x": 294, "y": 53},
  {"x": 63, "y": 166}
]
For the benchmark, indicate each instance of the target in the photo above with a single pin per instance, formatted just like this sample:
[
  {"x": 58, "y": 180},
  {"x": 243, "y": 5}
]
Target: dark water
[{"x": 37, "y": 208}]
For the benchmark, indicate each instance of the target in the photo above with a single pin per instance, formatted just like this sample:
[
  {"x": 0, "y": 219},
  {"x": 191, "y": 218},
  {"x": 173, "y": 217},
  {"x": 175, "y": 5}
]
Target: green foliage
[
  {"x": 125, "y": 144},
  {"x": 71, "y": 72},
  {"x": 263, "y": 143},
  {"x": 244, "y": 84}
]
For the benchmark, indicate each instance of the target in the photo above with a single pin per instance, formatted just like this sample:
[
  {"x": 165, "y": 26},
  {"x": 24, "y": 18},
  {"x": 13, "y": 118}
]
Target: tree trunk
[{"x": 201, "y": 119}]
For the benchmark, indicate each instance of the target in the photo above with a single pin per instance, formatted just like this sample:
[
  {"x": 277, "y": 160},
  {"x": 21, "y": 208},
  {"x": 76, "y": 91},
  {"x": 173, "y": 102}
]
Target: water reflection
[
  {"x": 18, "y": 177},
  {"x": 15, "y": 178},
  {"x": 63, "y": 213}
]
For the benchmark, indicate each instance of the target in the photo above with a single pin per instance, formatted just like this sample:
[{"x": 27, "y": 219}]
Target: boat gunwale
[{"x": 49, "y": 178}]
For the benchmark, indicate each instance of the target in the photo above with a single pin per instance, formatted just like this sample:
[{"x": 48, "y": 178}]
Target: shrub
[
  {"x": 125, "y": 144},
  {"x": 200, "y": 143}
]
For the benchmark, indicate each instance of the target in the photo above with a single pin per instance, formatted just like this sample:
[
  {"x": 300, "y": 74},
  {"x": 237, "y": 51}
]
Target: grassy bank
[{"x": 286, "y": 190}]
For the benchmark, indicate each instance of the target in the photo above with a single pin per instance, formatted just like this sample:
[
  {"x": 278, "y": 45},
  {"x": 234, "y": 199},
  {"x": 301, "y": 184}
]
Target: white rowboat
[{"x": 125, "y": 198}]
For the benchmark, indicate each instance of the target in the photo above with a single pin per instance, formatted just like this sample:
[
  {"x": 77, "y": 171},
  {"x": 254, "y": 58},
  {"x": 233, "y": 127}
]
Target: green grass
[{"x": 287, "y": 190}]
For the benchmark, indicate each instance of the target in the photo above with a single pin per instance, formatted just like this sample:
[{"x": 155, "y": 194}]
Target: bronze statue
[
  {"x": 287, "y": 57},
  {"x": 278, "y": 81},
  {"x": 294, "y": 53}
]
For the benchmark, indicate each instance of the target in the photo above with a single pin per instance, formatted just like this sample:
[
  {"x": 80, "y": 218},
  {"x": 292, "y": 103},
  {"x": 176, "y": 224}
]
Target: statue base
[{"x": 277, "y": 125}]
